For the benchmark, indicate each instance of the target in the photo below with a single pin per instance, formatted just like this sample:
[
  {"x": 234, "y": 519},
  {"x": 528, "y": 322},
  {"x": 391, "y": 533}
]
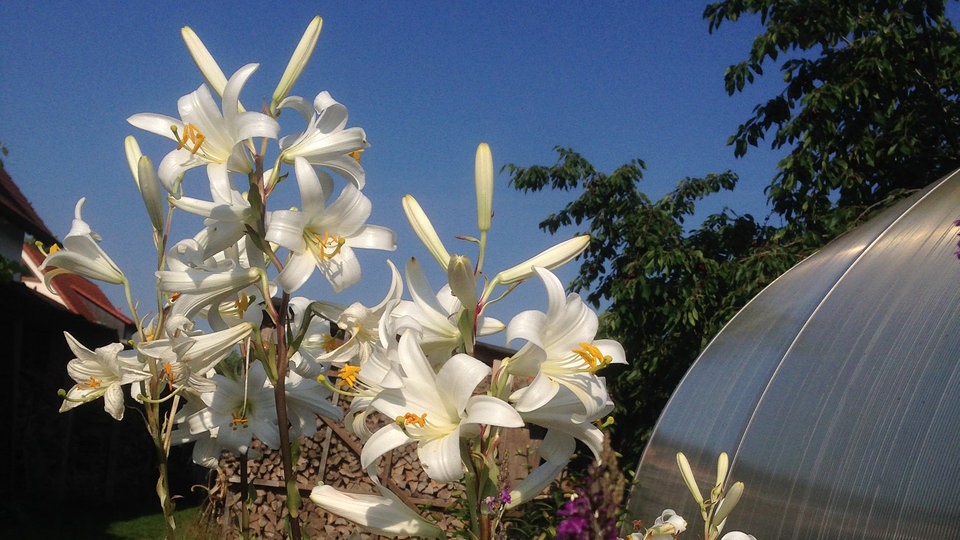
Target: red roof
[{"x": 17, "y": 209}]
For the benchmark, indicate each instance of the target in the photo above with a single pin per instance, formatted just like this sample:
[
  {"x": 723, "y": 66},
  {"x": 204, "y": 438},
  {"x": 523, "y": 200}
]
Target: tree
[
  {"x": 669, "y": 289},
  {"x": 870, "y": 113},
  {"x": 869, "y": 107}
]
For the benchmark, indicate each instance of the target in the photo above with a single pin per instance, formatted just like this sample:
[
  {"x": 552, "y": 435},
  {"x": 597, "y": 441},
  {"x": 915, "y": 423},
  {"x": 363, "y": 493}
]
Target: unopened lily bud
[
  {"x": 298, "y": 61},
  {"x": 687, "y": 473},
  {"x": 551, "y": 258},
  {"x": 201, "y": 56},
  {"x": 483, "y": 180},
  {"x": 151, "y": 192},
  {"x": 463, "y": 282},
  {"x": 728, "y": 503},
  {"x": 425, "y": 231},
  {"x": 723, "y": 465}
]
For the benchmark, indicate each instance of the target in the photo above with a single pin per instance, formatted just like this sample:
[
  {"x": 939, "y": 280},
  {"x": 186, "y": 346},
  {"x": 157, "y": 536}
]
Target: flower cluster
[{"x": 238, "y": 356}]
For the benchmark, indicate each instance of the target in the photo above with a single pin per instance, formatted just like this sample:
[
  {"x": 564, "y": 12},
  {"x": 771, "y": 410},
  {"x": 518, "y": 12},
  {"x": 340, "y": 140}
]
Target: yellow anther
[
  {"x": 239, "y": 421},
  {"x": 592, "y": 356},
  {"x": 356, "y": 154},
  {"x": 92, "y": 383},
  {"x": 326, "y": 246},
  {"x": 242, "y": 303},
  {"x": 348, "y": 376},
  {"x": 410, "y": 418},
  {"x": 191, "y": 136},
  {"x": 169, "y": 370}
]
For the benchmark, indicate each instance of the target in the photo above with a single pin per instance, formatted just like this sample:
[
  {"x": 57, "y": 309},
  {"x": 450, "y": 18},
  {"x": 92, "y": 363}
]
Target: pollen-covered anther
[
  {"x": 325, "y": 246},
  {"x": 592, "y": 356},
  {"x": 242, "y": 303},
  {"x": 169, "y": 370},
  {"x": 410, "y": 418},
  {"x": 356, "y": 154},
  {"x": 192, "y": 138},
  {"x": 239, "y": 421},
  {"x": 92, "y": 383},
  {"x": 348, "y": 376}
]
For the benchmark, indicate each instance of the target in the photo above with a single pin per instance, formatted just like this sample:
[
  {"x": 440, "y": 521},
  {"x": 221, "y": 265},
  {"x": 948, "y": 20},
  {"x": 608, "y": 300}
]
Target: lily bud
[
  {"x": 483, "y": 180},
  {"x": 551, "y": 258},
  {"x": 298, "y": 61},
  {"x": 201, "y": 56},
  {"x": 463, "y": 282},
  {"x": 425, "y": 231},
  {"x": 728, "y": 503},
  {"x": 688, "y": 478},
  {"x": 723, "y": 465},
  {"x": 151, "y": 192}
]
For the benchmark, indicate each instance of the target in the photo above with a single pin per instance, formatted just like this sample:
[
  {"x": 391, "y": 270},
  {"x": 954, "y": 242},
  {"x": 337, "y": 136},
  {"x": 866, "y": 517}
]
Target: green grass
[
  {"x": 106, "y": 524},
  {"x": 150, "y": 527}
]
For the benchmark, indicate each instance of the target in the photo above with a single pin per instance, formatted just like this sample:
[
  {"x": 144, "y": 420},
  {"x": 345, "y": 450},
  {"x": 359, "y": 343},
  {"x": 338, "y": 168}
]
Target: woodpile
[{"x": 333, "y": 457}]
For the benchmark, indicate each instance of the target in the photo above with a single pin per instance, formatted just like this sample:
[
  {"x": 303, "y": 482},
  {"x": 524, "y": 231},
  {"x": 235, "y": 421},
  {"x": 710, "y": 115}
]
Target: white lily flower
[
  {"x": 101, "y": 373},
  {"x": 383, "y": 514},
  {"x": 204, "y": 135},
  {"x": 561, "y": 350},
  {"x": 737, "y": 535},
  {"x": 435, "y": 410},
  {"x": 564, "y": 414},
  {"x": 361, "y": 327},
  {"x": 556, "y": 451},
  {"x": 82, "y": 255},
  {"x": 327, "y": 141},
  {"x": 435, "y": 316},
  {"x": 306, "y": 399},
  {"x": 667, "y": 526},
  {"x": 206, "y": 451},
  {"x": 227, "y": 215},
  {"x": 237, "y": 411},
  {"x": 323, "y": 236},
  {"x": 191, "y": 358},
  {"x": 200, "y": 287}
]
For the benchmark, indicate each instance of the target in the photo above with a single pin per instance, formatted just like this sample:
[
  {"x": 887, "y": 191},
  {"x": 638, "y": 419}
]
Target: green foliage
[
  {"x": 10, "y": 269},
  {"x": 669, "y": 290},
  {"x": 869, "y": 106}
]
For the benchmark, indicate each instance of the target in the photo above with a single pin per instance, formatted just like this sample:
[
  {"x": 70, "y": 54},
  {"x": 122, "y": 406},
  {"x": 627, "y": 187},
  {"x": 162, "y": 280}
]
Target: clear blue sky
[{"x": 427, "y": 81}]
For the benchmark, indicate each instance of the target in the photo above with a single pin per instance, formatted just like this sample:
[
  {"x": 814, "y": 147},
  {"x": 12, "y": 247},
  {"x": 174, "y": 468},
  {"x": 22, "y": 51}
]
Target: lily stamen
[
  {"x": 592, "y": 356},
  {"x": 242, "y": 303},
  {"x": 348, "y": 376},
  {"x": 356, "y": 154},
  {"x": 325, "y": 247},
  {"x": 92, "y": 383},
  {"x": 191, "y": 135},
  {"x": 239, "y": 421},
  {"x": 410, "y": 418},
  {"x": 169, "y": 370}
]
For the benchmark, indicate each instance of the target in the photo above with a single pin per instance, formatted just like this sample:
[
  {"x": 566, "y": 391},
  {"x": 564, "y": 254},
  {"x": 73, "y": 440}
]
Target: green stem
[{"x": 163, "y": 478}]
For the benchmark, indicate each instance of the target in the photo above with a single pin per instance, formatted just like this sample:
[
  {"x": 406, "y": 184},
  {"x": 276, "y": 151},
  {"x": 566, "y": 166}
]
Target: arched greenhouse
[{"x": 835, "y": 392}]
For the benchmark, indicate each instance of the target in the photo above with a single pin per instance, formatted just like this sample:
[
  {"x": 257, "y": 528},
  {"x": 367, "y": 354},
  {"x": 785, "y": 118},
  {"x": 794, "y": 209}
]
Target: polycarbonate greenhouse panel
[{"x": 835, "y": 391}]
